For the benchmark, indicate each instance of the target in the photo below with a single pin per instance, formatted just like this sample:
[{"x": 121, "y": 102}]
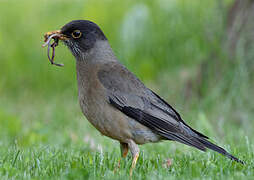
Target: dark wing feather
[
  {"x": 178, "y": 115},
  {"x": 157, "y": 125}
]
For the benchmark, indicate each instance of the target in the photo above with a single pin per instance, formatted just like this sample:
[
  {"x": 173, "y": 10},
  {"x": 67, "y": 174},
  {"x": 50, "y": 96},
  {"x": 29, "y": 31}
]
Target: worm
[{"x": 53, "y": 45}]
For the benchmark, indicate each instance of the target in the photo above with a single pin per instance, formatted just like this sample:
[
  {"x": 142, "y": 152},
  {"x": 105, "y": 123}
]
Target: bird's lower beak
[{"x": 57, "y": 34}]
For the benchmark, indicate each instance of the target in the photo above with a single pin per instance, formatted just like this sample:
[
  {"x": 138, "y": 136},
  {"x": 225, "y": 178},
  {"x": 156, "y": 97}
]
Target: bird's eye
[{"x": 76, "y": 34}]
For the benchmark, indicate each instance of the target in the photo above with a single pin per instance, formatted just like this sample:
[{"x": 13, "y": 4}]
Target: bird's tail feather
[{"x": 218, "y": 149}]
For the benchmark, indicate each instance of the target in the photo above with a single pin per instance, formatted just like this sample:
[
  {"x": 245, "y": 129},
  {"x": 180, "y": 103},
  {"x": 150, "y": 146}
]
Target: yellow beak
[{"x": 58, "y": 34}]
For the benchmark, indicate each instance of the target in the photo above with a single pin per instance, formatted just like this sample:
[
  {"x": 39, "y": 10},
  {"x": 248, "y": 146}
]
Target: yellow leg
[
  {"x": 133, "y": 165},
  {"x": 135, "y": 154}
]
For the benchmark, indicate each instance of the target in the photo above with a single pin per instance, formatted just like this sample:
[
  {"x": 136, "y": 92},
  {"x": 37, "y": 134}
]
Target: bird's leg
[
  {"x": 135, "y": 154},
  {"x": 124, "y": 151}
]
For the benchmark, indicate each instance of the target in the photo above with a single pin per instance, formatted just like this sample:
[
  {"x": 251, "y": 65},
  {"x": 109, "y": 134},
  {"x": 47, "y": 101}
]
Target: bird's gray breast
[{"x": 90, "y": 94}]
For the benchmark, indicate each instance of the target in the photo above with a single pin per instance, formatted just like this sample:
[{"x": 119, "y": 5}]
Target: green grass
[
  {"x": 43, "y": 134},
  {"x": 81, "y": 163}
]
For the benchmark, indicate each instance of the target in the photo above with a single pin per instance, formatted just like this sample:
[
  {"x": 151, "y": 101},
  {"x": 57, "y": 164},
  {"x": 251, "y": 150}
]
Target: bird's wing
[{"x": 129, "y": 95}]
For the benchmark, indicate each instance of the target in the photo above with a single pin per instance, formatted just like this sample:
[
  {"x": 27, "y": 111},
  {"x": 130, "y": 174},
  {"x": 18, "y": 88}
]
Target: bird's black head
[{"x": 81, "y": 35}]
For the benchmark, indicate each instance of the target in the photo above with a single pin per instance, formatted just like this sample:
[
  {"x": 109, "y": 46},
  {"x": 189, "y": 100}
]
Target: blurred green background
[{"x": 178, "y": 48}]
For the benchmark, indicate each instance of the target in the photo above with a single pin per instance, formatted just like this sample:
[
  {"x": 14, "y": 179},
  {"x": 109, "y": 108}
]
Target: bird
[{"x": 117, "y": 103}]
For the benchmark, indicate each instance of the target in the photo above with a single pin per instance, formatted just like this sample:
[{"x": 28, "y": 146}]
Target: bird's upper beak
[{"x": 58, "y": 35}]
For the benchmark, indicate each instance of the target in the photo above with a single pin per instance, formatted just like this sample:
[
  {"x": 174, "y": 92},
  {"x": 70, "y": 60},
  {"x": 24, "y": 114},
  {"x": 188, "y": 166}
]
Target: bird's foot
[{"x": 133, "y": 165}]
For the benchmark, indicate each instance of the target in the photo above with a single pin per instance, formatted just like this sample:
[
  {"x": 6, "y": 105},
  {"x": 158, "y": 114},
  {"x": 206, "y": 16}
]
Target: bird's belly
[{"x": 116, "y": 125}]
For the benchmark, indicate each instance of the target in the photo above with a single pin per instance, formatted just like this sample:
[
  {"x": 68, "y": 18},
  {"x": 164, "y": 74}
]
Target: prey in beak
[{"x": 56, "y": 36}]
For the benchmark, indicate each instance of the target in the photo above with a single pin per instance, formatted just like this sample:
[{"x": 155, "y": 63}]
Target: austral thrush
[{"x": 116, "y": 102}]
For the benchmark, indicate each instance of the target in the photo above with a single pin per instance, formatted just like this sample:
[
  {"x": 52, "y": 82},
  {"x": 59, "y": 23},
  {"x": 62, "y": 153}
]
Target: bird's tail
[{"x": 218, "y": 149}]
